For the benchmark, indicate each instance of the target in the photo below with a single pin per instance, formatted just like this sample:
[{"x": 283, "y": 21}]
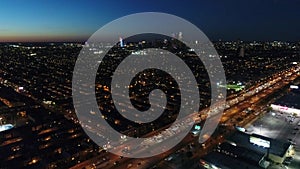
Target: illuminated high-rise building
[
  {"x": 121, "y": 43},
  {"x": 180, "y": 36}
]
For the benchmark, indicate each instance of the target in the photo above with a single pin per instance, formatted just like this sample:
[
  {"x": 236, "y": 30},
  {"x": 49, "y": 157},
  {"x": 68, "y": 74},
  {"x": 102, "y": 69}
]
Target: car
[
  {"x": 129, "y": 165},
  {"x": 169, "y": 158},
  {"x": 104, "y": 159}
]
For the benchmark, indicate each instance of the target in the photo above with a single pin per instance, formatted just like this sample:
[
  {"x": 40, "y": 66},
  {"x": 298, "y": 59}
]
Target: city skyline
[
  {"x": 52, "y": 21},
  {"x": 150, "y": 84},
  {"x": 38, "y": 115}
]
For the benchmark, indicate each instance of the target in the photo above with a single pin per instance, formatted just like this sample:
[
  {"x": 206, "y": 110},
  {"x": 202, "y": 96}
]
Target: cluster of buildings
[
  {"x": 36, "y": 96},
  {"x": 242, "y": 150}
]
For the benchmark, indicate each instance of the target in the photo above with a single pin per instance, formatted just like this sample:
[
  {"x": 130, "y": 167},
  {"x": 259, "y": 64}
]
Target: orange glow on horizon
[{"x": 43, "y": 38}]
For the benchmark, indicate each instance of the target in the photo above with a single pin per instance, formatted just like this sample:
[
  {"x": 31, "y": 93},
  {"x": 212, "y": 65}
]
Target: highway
[{"x": 233, "y": 115}]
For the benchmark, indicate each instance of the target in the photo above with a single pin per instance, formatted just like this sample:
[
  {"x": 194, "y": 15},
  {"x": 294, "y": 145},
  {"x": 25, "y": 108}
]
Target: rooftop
[
  {"x": 278, "y": 148},
  {"x": 227, "y": 162}
]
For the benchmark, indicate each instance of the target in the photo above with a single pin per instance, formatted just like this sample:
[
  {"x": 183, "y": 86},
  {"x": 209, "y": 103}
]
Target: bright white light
[
  {"x": 6, "y": 127},
  {"x": 294, "y": 87},
  {"x": 240, "y": 129},
  {"x": 259, "y": 142}
]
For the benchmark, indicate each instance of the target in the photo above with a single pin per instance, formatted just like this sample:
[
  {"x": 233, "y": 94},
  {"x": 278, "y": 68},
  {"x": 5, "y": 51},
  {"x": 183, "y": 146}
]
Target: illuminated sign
[
  {"x": 283, "y": 108},
  {"x": 6, "y": 127},
  {"x": 294, "y": 87},
  {"x": 197, "y": 127},
  {"x": 260, "y": 142}
]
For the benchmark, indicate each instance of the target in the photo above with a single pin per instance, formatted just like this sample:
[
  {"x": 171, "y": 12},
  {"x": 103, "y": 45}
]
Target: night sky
[{"x": 76, "y": 20}]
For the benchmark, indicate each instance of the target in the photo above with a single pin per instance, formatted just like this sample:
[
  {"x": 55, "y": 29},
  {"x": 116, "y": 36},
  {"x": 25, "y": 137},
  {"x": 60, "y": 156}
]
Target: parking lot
[{"x": 283, "y": 127}]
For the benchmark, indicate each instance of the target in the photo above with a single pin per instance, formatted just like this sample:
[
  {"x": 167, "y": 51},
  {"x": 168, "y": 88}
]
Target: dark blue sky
[{"x": 67, "y": 20}]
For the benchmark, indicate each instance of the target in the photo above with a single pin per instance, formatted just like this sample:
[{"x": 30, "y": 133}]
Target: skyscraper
[
  {"x": 121, "y": 43},
  {"x": 180, "y": 36}
]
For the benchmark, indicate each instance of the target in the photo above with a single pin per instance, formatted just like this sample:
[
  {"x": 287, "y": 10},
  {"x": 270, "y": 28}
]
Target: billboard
[{"x": 260, "y": 142}]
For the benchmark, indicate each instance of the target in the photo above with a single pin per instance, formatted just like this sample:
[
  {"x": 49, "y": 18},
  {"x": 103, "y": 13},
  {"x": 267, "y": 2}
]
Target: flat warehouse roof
[
  {"x": 278, "y": 147},
  {"x": 225, "y": 161}
]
